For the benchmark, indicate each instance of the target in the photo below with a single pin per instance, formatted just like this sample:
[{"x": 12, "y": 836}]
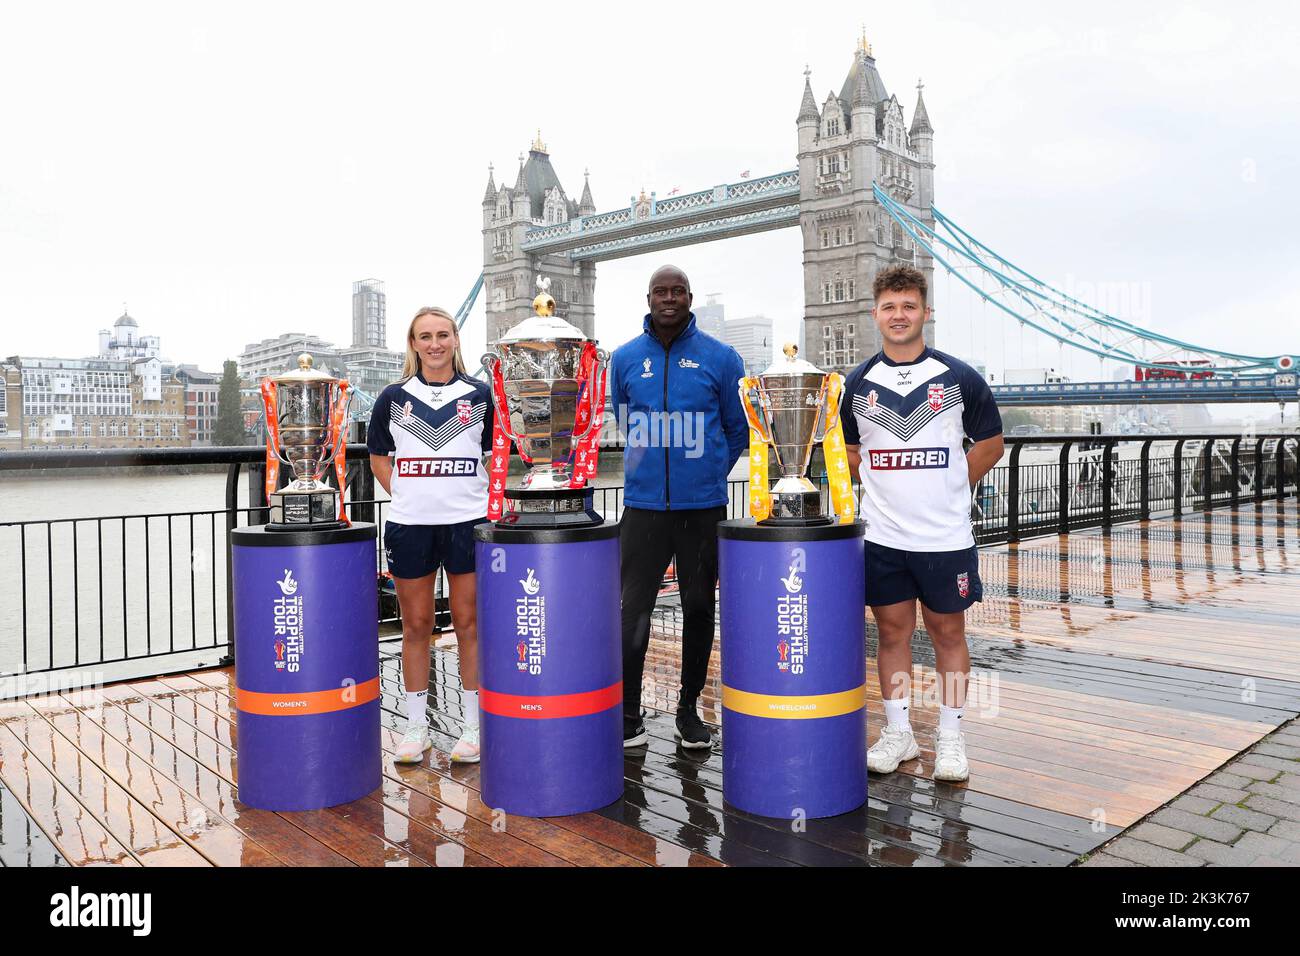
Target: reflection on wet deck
[{"x": 1113, "y": 672}]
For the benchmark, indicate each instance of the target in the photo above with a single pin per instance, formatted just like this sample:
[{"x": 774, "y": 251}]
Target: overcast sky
[{"x": 227, "y": 170}]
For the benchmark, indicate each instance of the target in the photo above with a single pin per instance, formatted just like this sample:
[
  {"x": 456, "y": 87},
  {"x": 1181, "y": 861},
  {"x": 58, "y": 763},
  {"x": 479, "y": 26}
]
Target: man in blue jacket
[{"x": 674, "y": 389}]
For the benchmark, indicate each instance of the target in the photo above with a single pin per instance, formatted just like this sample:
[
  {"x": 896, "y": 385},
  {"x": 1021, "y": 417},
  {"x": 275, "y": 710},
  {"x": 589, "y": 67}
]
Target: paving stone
[
  {"x": 1246, "y": 819},
  {"x": 1289, "y": 781},
  {"x": 1254, "y": 771},
  {"x": 1161, "y": 835},
  {"x": 1280, "y": 750},
  {"x": 1261, "y": 844},
  {"x": 1225, "y": 779},
  {"x": 1202, "y": 826},
  {"x": 1274, "y": 791},
  {"x": 1219, "y": 794},
  {"x": 1105, "y": 859},
  {"x": 1278, "y": 808},
  {"x": 1286, "y": 830},
  {"x": 1263, "y": 760},
  {"x": 1219, "y": 855},
  {"x": 1269, "y": 861},
  {"x": 1197, "y": 805},
  {"x": 1149, "y": 855}
]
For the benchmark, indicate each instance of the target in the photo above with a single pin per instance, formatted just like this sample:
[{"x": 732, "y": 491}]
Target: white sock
[
  {"x": 415, "y": 709},
  {"x": 469, "y": 703},
  {"x": 896, "y": 713},
  {"x": 950, "y": 718}
]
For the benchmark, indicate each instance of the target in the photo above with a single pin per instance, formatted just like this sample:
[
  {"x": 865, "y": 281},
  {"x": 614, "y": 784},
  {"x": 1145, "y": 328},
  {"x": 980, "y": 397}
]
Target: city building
[
  {"x": 99, "y": 403},
  {"x": 271, "y": 357},
  {"x": 711, "y": 316},
  {"x": 509, "y": 274},
  {"x": 11, "y": 408},
  {"x": 752, "y": 338},
  {"x": 372, "y": 369},
  {"x": 369, "y": 314},
  {"x": 201, "y": 391},
  {"x": 125, "y": 343},
  {"x": 854, "y": 138}
]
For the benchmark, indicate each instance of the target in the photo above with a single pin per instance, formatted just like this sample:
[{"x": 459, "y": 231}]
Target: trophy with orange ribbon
[
  {"x": 548, "y": 394},
  {"x": 791, "y": 407},
  {"x": 306, "y": 414}
]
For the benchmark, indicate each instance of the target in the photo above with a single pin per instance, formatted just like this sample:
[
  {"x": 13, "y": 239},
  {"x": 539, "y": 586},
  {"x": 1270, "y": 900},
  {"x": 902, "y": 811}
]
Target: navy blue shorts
[
  {"x": 945, "y": 581},
  {"x": 415, "y": 550}
]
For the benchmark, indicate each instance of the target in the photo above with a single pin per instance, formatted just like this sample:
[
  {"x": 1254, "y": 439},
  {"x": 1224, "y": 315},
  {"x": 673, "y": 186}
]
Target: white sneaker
[
  {"x": 896, "y": 744},
  {"x": 413, "y": 745},
  {"x": 950, "y": 756},
  {"x": 466, "y": 749}
]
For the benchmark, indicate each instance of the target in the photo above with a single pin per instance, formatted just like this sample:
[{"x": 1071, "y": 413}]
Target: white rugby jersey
[
  {"x": 909, "y": 420},
  {"x": 438, "y": 473}
]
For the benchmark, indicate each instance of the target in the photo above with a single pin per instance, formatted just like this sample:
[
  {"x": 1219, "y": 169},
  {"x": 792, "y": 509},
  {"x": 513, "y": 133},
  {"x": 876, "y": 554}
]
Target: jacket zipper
[{"x": 668, "y": 501}]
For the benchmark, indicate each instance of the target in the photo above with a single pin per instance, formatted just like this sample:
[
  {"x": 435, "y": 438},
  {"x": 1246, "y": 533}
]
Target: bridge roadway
[
  {"x": 1276, "y": 387},
  {"x": 1109, "y": 671}
]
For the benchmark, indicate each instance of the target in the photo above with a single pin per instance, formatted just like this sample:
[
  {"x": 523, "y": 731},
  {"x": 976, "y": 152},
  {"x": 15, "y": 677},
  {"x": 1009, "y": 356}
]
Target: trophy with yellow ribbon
[{"x": 791, "y": 407}]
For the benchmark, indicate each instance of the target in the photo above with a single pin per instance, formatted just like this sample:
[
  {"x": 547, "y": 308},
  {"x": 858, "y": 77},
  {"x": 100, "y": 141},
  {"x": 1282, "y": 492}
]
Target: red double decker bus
[{"x": 1195, "y": 368}]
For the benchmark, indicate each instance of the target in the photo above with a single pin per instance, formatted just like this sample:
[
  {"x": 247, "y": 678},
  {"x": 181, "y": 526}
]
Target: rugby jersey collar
[{"x": 926, "y": 353}]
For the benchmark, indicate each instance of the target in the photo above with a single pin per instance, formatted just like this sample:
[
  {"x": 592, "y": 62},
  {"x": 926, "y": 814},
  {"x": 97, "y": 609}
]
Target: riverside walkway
[{"x": 1114, "y": 671}]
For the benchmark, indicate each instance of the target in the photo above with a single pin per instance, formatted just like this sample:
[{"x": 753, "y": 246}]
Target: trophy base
[
  {"x": 797, "y": 509},
  {"x": 304, "y": 510},
  {"x": 536, "y": 508}
]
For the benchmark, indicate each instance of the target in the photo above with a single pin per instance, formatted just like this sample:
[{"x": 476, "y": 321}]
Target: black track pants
[{"x": 648, "y": 540}]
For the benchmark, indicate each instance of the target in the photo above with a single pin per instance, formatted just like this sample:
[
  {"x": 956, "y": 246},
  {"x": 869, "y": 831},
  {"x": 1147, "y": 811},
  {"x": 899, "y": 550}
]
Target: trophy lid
[
  {"x": 542, "y": 328},
  {"x": 791, "y": 364},
  {"x": 304, "y": 373}
]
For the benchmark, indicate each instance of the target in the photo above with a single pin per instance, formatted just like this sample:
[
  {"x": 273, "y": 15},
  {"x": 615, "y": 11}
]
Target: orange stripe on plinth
[{"x": 307, "y": 702}]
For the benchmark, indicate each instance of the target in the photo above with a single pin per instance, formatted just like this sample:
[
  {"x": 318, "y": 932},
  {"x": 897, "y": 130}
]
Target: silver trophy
[
  {"x": 305, "y": 437},
  {"x": 788, "y": 401},
  {"x": 539, "y": 394}
]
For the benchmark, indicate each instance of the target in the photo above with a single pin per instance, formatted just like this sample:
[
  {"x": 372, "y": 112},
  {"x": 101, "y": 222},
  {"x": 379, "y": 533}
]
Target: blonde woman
[{"x": 426, "y": 439}]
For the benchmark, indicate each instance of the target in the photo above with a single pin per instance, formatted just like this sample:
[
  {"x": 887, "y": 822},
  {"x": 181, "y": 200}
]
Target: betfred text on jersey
[
  {"x": 436, "y": 467},
  {"x": 897, "y": 459}
]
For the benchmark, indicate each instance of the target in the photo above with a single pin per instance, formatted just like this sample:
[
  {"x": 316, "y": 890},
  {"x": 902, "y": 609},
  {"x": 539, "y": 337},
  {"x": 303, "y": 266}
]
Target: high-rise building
[
  {"x": 280, "y": 354},
  {"x": 711, "y": 316},
  {"x": 752, "y": 338},
  {"x": 369, "y": 314},
  {"x": 855, "y": 139}
]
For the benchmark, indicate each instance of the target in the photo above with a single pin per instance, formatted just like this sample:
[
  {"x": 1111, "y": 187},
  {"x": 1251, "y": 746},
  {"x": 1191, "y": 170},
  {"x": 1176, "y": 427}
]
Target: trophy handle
[
  {"x": 491, "y": 361},
  {"x": 598, "y": 368},
  {"x": 345, "y": 398},
  {"x": 756, "y": 421},
  {"x": 824, "y": 399}
]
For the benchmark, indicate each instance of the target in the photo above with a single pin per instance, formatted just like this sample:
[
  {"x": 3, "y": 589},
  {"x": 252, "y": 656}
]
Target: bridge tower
[
  {"x": 856, "y": 137},
  {"x": 509, "y": 274}
]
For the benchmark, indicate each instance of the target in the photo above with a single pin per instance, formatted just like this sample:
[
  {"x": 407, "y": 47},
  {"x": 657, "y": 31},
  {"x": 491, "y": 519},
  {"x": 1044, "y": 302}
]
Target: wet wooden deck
[{"x": 1115, "y": 671}]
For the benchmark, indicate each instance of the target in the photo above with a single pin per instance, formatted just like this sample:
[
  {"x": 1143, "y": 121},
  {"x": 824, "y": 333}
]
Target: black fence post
[
  {"x": 1107, "y": 480},
  {"x": 1013, "y": 493},
  {"x": 232, "y": 521},
  {"x": 257, "y": 494},
  {"x": 1280, "y": 490},
  {"x": 1063, "y": 489},
  {"x": 1207, "y": 487},
  {"x": 1144, "y": 481},
  {"x": 1236, "y": 471},
  {"x": 1259, "y": 471},
  {"x": 1178, "y": 478}
]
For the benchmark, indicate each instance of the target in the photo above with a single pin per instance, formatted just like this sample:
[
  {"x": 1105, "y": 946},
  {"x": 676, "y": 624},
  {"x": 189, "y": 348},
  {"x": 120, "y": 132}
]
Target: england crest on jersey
[
  {"x": 463, "y": 410},
  {"x": 935, "y": 394}
]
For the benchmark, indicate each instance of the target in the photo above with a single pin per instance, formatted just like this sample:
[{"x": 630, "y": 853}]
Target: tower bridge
[{"x": 862, "y": 195}]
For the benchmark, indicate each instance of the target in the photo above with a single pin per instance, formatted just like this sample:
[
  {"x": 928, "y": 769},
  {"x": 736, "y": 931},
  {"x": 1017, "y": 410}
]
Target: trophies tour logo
[
  {"x": 792, "y": 618},
  {"x": 286, "y": 613},
  {"x": 530, "y": 625}
]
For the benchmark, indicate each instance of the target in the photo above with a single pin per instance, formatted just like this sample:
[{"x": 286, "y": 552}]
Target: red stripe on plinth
[{"x": 552, "y": 705}]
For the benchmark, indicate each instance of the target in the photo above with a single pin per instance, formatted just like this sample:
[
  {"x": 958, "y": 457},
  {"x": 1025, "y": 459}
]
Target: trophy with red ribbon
[
  {"x": 306, "y": 425},
  {"x": 548, "y": 393}
]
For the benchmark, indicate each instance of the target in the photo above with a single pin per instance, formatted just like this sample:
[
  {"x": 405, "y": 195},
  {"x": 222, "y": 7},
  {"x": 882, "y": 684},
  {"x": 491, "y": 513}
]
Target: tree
[{"x": 230, "y": 421}]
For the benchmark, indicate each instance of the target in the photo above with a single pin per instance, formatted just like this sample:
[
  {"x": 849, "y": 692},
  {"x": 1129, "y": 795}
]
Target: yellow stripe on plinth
[{"x": 794, "y": 708}]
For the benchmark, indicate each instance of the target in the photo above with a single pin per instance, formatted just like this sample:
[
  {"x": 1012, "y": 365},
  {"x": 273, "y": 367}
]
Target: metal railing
[{"x": 151, "y": 593}]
